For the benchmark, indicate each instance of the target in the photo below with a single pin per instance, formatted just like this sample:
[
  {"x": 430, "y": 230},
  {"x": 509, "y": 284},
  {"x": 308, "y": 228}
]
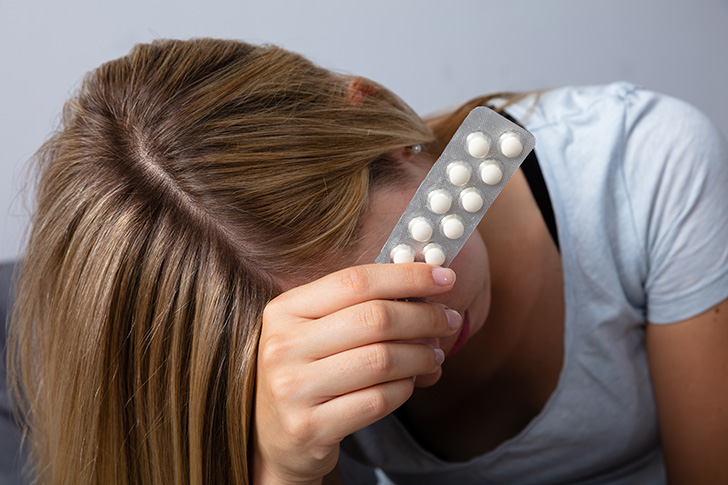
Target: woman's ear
[
  {"x": 359, "y": 88},
  {"x": 405, "y": 154}
]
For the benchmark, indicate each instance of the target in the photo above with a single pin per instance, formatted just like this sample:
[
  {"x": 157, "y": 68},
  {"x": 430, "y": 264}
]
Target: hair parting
[{"x": 186, "y": 181}]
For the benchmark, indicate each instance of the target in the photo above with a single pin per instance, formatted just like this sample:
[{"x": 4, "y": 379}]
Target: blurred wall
[{"x": 432, "y": 53}]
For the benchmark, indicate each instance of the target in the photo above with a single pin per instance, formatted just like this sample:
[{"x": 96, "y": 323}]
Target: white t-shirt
[{"x": 639, "y": 187}]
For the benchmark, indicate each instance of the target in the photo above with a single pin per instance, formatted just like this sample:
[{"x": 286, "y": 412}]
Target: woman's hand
[{"x": 332, "y": 361}]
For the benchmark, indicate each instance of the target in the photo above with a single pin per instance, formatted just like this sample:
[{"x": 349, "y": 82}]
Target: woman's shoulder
[
  {"x": 649, "y": 170},
  {"x": 621, "y": 102},
  {"x": 636, "y": 131}
]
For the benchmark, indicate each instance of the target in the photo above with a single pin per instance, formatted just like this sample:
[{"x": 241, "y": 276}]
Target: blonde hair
[
  {"x": 444, "y": 125},
  {"x": 186, "y": 181}
]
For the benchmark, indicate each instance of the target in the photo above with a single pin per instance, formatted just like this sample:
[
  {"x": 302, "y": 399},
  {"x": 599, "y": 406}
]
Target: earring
[{"x": 414, "y": 149}]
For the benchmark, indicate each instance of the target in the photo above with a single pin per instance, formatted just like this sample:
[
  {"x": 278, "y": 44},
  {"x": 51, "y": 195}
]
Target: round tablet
[
  {"x": 471, "y": 200},
  {"x": 439, "y": 201},
  {"x": 510, "y": 145},
  {"x": 402, "y": 254},
  {"x": 452, "y": 226},
  {"x": 434, "y": 254},
  {"x": 490, "y": 172},
  {"x": 477, "y": 144},
  {"x": 420, "y": 229},
  {"x": 458, "y": 173}
]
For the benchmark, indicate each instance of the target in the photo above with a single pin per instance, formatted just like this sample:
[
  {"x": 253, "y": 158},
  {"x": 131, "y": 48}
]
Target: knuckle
[
  {"x": 375, "y": 317},
  {"x": 410, "y": 275},
  {"x": 426, "y": 359},
  {"x": 375, "y": 404},
  {"x": 299, "y": 429},
  {"x": 379, "y": 359},
  {"x": 438, "y": 317},
  {"x": 355, "y": 279},
  {"x": 272, "y": 310},
  {"x": 282, "y": 387},
  {"x": 273, "y": 350}
]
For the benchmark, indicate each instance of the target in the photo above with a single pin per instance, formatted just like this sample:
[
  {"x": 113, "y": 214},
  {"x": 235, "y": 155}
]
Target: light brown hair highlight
[{"x": 187, "y": 180}]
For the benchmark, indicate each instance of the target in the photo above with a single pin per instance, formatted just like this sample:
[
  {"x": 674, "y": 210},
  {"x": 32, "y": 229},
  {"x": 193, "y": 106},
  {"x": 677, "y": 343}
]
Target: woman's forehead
[{"x": 385, "y": 207}]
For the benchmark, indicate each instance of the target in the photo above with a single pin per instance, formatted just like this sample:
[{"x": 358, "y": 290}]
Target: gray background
[{"x": 432, "y": 53}]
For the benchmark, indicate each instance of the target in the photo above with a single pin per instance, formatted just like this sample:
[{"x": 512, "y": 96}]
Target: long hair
[
  {"x": 186, "y": 181},
  {"x": 445, "y": 124}
]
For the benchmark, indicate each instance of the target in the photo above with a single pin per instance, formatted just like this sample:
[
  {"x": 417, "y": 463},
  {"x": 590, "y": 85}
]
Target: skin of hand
[{"x": 332, "y": 360}]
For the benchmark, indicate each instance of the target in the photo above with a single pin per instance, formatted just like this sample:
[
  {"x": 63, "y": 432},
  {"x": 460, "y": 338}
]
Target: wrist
[
  {"x": 270, "y": 479},
  {"x": 263, "y": 475}
]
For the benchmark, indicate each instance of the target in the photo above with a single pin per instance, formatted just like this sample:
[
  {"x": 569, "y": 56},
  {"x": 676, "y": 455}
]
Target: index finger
[{"x": 359, "y": 284}]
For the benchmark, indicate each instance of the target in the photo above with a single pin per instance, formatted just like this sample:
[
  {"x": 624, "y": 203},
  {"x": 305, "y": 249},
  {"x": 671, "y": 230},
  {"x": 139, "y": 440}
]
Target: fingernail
[
  {"x": 443, "y": 276},
  {"x": 454, "y": 320},
  {"x": 439, "y": 356}
]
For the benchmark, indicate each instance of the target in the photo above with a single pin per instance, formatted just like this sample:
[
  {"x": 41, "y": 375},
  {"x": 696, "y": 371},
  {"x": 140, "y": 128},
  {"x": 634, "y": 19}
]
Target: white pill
[
  {"x": 439, "y": 201},
  {"x": 458, "y": 173},
  {"x": 434, "y": 254},
  {"x": 478, "y": 144},
  {"x": 420, "y": 229},
  {"x": 510, "y": 145},
  {"x": 490, "y": 172},
  {"x": 402, "y": 253},
  {"x": 471, "y": 200},
  {"x": 452, "y": 227}
]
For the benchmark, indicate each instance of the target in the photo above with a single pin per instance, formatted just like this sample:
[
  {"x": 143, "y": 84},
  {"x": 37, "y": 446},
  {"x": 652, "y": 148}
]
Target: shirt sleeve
[{"x": 676, "y": 174}]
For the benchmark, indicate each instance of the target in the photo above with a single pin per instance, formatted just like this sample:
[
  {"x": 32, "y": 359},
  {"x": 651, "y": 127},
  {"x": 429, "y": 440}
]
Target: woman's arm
[{"x": 689, "y": 367}]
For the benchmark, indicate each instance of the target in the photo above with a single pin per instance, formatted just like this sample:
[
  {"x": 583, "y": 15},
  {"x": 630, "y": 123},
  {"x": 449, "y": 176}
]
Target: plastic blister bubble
[{"x": 481, "y": 157}]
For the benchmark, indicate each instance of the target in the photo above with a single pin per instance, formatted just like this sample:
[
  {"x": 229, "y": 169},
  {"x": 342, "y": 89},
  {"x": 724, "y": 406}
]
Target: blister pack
[{"x": 478, "y": 161}]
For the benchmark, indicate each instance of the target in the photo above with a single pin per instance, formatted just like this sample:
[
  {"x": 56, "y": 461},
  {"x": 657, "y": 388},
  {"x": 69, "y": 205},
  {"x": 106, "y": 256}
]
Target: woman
[{"x": 196, "y": 303}]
